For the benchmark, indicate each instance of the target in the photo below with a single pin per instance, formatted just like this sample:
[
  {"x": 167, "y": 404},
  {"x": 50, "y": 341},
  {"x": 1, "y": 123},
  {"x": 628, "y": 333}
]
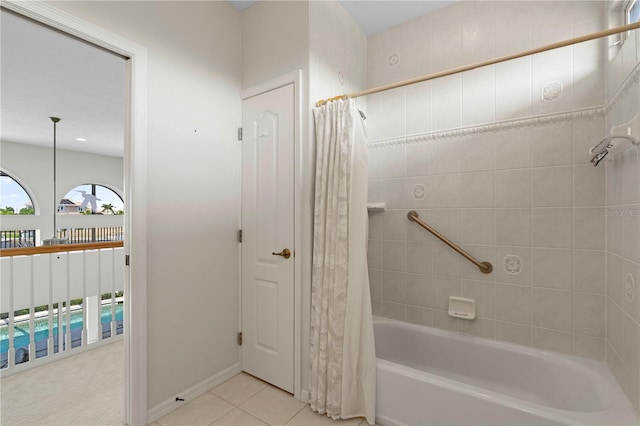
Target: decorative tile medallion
[
  {"x": 552, "y": 92},
  {"x": 630, "y": 287},
  {"x": 393, "y": 60},
  {"x": 513, "y": 264},
  {"x": 419, "y": 191}
]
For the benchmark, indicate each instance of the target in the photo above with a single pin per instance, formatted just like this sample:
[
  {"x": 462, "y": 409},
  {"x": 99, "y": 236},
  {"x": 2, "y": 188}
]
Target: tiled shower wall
[
  {"x": 525, "y": 200},
  {"x": 515, "y": 187},
  {"x": 623, "y": 226}
]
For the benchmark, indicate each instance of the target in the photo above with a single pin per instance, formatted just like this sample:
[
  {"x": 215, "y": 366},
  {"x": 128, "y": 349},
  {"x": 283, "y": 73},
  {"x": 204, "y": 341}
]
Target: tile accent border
[
  {"x": 627, "y": 85},
  {"x": 519, "y": 123},
  {"x": 502, "y": 126}
]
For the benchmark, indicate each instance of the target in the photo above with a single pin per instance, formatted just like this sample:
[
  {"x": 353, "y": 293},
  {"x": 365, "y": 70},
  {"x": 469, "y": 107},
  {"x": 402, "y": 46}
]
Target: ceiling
[
  {"x": 46, "y": 73},
  {"x": 374, "y": 16}
]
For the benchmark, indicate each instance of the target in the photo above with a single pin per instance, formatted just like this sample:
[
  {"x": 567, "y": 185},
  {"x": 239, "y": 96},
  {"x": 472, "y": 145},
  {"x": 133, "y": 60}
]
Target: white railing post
[
  {"x": 67, "y": 335},
  {"x": 93, "y": 330},
  {"x": 85, "y": 324},
  {"x": 92, "y": 292},
  {"x": 113, "y": 292},
  {"x": 60, "y": 332},
  {"x": 11, "y": 354},
  {"x": 50, "y": 341},
  {"x": 33, "y": 350},
  {"x": 5, "y": 294},
  {"x": 99, "y": 304}
]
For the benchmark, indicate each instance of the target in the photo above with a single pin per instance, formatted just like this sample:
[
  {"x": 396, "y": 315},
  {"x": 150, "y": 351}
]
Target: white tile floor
[
  {"x": 245, "y": 400},
  {"x": 86, "y": 388}
]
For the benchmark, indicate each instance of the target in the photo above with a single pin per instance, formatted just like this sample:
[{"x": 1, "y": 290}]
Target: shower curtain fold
[{"x": 343, "y": 364}]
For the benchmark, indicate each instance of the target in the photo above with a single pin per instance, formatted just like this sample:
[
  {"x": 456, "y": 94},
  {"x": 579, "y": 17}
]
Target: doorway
[
  {"x": 268, "y": 249},
  {"x": 135, "y": 395},
  {"x": 64, "y": 125}
]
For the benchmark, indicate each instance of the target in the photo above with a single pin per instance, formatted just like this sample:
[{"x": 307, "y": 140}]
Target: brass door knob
[{"x": 286, "y": 253}]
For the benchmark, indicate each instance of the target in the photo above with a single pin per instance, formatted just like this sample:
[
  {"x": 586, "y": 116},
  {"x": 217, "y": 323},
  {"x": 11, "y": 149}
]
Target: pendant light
[{"x": 53, "y": 241}]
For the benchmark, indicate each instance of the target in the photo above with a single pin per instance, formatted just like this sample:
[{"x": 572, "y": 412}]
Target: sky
[{"x": 13, "y": 195}]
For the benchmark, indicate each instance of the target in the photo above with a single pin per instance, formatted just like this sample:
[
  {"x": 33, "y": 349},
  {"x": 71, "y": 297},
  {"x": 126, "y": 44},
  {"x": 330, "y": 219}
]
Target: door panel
[{"x": 267, "y": 229}]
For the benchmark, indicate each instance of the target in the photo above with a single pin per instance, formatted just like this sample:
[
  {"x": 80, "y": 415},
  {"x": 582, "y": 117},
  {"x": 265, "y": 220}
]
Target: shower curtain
[{"x": 343, "y": 363}]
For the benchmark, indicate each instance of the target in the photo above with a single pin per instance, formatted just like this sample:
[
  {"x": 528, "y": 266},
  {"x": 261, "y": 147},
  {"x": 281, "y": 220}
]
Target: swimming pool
[{"x": 41, "y": 328}]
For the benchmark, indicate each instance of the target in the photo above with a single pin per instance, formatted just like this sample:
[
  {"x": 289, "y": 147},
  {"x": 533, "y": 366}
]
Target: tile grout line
[{"x": 294, "y": 416}]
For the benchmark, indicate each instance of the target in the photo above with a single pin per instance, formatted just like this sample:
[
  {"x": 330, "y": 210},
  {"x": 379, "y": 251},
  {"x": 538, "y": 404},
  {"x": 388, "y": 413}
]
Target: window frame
[
  {"x": 94, "y": 187},
  {"x": 627, "y": 12},
  {"x": 31, "y": 198}
]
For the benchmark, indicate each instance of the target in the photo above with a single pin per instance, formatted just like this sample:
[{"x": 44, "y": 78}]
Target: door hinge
[
  {"x": 240, "y": 339},
  {"x": 239, "y": 133},
  {"x": 126, "y": 260},
  {"x": 239, "y": 235}
]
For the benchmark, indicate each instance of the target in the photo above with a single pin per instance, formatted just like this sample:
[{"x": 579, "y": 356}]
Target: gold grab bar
[{"x": 485, "y": 267}]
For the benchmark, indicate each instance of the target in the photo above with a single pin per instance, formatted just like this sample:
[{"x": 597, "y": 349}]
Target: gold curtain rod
[
  {"x": 484, "y": 267},
  {"x": 470, "y": 67}
]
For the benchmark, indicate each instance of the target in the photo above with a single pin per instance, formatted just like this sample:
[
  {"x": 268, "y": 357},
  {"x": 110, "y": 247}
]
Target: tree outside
[
  {"x": 27, "y": 210},
  {"x": 108, "y": 208}
]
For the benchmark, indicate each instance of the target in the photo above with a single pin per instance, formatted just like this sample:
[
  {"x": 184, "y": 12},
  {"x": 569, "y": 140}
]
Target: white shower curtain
[{"x": 343, "y": 363}]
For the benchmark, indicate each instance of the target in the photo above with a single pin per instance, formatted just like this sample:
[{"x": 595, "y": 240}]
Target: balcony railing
[
  {"x": 20, "y": 238},
  {"x": 92, "y": 235},
  {"x": 57, "y": 298},
  {"x": 27, "y": 238}
]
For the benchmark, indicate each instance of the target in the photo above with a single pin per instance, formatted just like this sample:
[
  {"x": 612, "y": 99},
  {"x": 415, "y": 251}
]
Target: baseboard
[
  {"x": 304, "y": 396},
  {"x": 206, "y": 385}
]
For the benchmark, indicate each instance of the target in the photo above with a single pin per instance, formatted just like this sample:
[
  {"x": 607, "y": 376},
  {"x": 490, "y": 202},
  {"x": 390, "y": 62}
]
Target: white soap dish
[
  {"x": 460, "y": 307},
  {"x": 376, "y": 207}
]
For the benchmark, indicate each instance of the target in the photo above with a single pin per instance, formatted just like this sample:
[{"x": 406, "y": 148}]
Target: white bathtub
[{"x": 428, "y": 376}]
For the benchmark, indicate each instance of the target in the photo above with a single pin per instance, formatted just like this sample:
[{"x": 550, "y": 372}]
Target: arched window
[
  {"x": 14, "y": 198},
  {"x": 632, "y": 12},
  {"x": 91, "y": 199}
]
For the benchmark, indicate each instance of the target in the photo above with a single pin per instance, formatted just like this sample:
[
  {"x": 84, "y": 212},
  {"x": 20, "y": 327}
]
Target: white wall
[
  {"x": 193, "y": 182},
  {"x": 514, "y": 186},
  {"x": 338, "y": 52},
  {"x": 275, "y": 40},
  {"x": 32, "y": 166}
]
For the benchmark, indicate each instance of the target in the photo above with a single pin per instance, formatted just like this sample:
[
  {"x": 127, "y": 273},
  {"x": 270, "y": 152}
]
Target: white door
[{"x": 267, "y": 236}]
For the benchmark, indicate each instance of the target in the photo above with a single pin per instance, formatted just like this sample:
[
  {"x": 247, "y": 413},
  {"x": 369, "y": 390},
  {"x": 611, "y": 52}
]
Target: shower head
[
  {"x": 602, "y": 149},
  {"x": 600, "y": 155}
]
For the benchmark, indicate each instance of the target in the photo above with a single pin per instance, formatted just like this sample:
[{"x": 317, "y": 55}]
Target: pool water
[{"x": 41, "y": 327}]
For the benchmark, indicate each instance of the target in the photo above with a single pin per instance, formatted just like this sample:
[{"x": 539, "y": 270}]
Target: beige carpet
[{"x": 84, "y": 389}]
